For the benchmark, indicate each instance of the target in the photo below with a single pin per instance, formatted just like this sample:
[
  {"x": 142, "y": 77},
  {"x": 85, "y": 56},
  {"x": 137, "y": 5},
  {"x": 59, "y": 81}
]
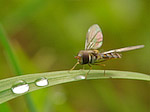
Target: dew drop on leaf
[
  {"x": 41, "y": 81},
  {"x": 80, "y": 77},
  {"x": 20, "y": 87}
]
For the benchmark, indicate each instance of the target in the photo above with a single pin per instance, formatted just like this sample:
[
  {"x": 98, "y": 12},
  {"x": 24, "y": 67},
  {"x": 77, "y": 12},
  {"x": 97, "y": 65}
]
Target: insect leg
[
  {"x": 74, "y": 66},
  {"x": 103, "y": 65},
  {"x": 88, "y": 71}
]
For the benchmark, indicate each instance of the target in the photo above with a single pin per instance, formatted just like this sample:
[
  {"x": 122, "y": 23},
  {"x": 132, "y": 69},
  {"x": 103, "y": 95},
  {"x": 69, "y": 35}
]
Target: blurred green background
[{"x": 47, "y": 34}]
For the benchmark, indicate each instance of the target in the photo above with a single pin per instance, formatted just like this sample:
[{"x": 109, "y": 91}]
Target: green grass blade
[
  {"x": 9, "y": 52},
  {"x": 13, "y": 61},
  {"x": 60, "y": 77}
]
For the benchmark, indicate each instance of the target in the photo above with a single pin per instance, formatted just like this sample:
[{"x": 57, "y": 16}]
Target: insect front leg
[{"x": 74, "y": 66}]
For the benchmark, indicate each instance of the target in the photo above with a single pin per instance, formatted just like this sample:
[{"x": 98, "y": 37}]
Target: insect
[{"x": 91, "y": 55}]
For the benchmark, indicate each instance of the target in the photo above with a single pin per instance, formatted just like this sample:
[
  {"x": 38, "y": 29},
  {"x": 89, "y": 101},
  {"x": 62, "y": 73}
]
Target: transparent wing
[
  {"x": 124, "y": 49},
  {"x": 94, "y": 37}
]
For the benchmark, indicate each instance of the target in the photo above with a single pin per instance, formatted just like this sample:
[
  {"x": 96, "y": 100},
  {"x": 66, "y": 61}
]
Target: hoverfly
[{"x": 91, "y": 55}]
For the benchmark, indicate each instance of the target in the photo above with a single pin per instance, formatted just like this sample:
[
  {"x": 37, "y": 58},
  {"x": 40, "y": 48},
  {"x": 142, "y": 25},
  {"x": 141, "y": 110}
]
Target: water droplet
[
  {"x": 20, "y": 87},
  {"x": 41, "y": 81},
  {"x": 80, "y": 77}
]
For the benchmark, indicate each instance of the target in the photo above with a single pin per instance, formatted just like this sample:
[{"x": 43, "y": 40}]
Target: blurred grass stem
[{"x": 14, "y": 63}]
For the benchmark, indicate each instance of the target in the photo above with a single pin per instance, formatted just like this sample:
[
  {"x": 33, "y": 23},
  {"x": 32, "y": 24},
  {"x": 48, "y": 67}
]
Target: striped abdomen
[{"x": 109, "y": 56}]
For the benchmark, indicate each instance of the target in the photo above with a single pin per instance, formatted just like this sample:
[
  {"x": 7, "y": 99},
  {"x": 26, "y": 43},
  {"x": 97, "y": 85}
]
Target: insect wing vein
[{"x": 94, "y": 38}]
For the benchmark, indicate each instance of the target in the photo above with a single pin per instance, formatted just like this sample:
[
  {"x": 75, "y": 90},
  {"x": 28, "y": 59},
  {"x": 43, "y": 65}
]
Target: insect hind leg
[{"x": 103, "y": 65}]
